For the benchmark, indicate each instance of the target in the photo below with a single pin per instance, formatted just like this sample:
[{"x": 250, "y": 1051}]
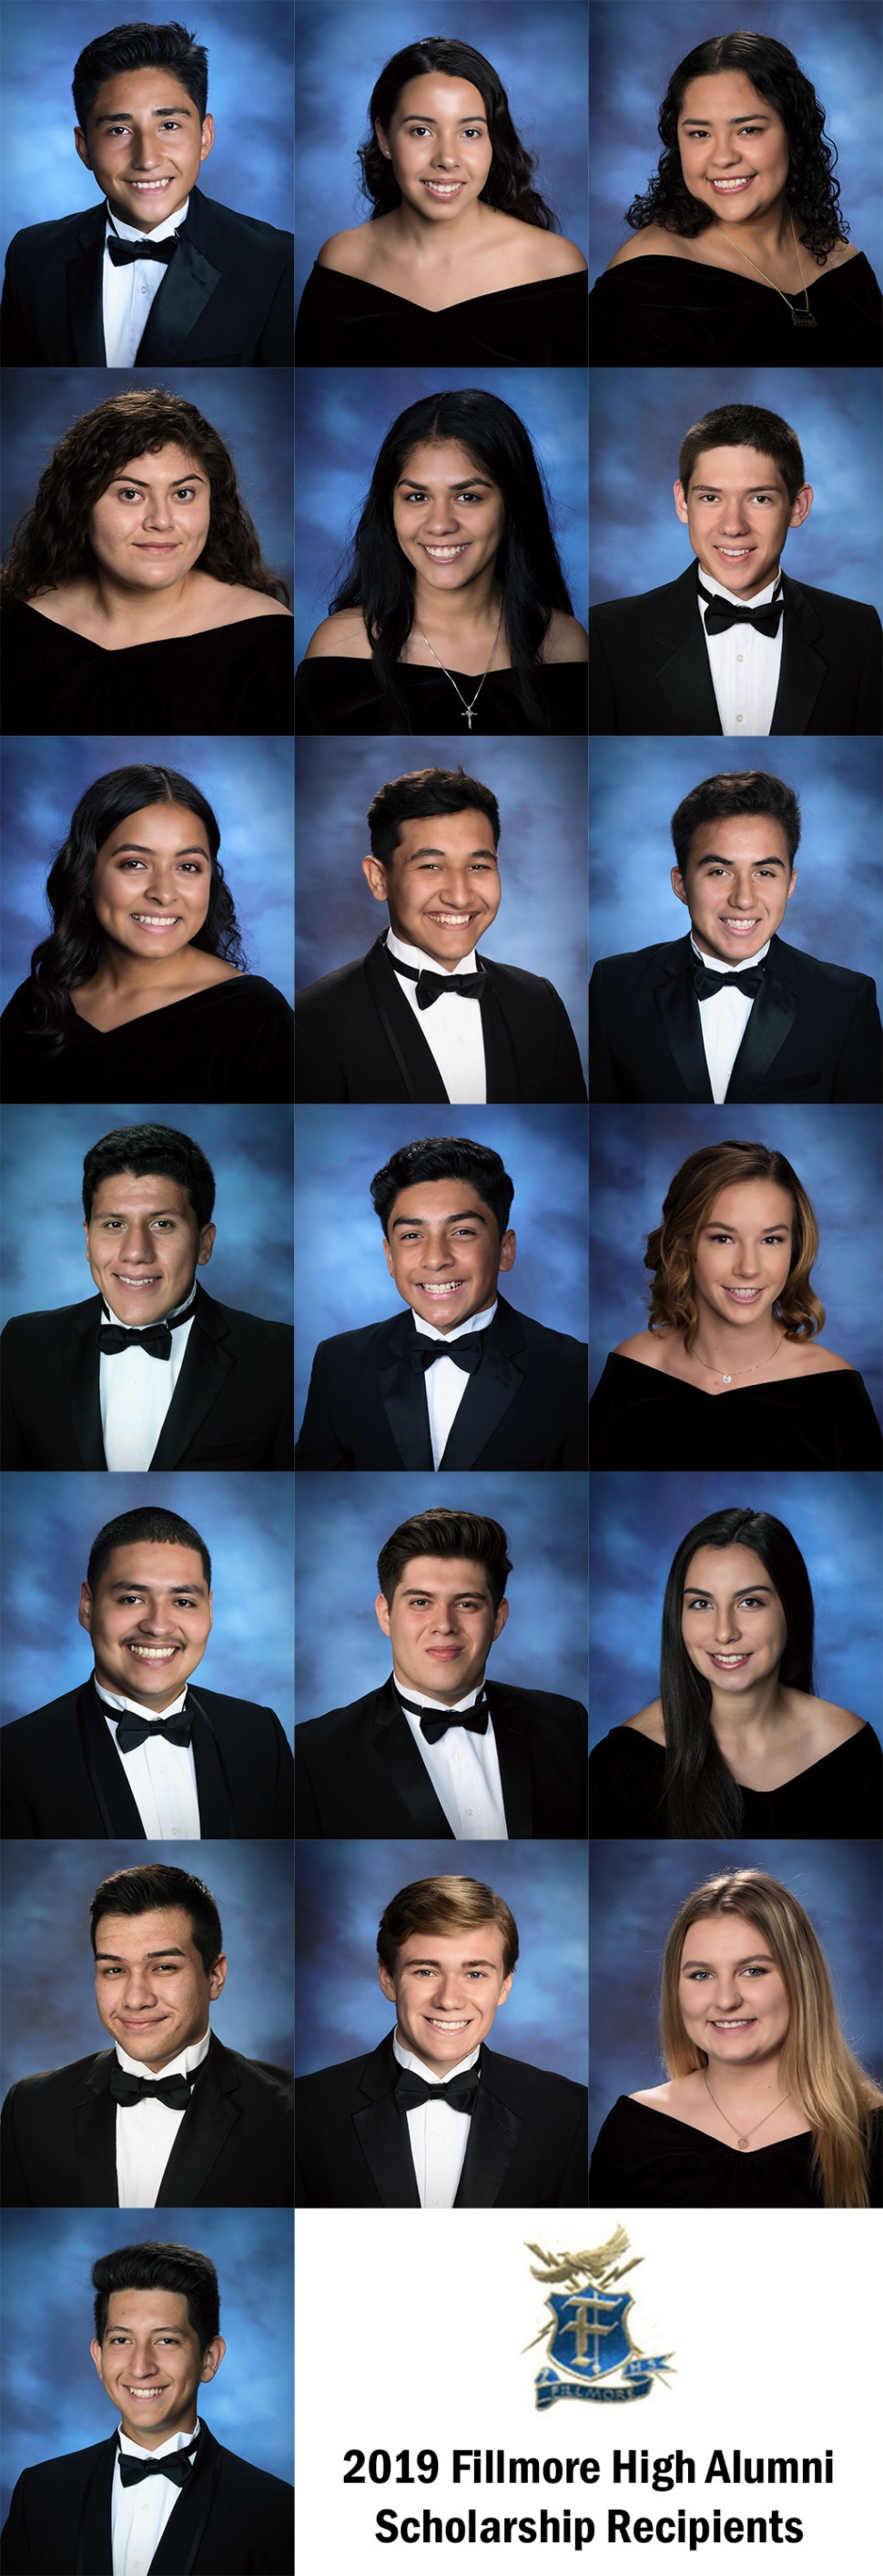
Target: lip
[
  {"x": 441, "y": 1287},
  {"x": 445, "y": 1654},
  {"x": 452, "y": 920},
  {"x": 152, "y": 1279},
  {"x": 729, "y": 922},
  {"x": 734, "y": 554},
  {"x": 151, "y": 1654},
  {"x": 151, "y": 546},
  {"x": 143, "y": 921},
  {"x": 143, "y": 2396},
  {"x": 729, "y": 1663},
  {"x": 454, "y": 2027},
  {"x": 749, "y": 2024},
  {"x": 744, "y": 1296},
  {"x": 444, "y": 554},
  {"x": 141, "y": 2021},
  {"x": 148, "y": 187},
  {"x": 732, "y": 187},
  {"x": 444, "y": 190}
]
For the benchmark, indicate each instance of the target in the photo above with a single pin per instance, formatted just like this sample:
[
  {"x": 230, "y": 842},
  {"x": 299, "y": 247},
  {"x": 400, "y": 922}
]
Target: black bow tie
[
  {"x": 430, "y": 987},
  {"x": 706, "y": 984},
  {"x": 173, "y": 2090},
  {"x": 721, "y": 613},
  {"x": 132, "y": 1731},
  {"x": 122, "y": 252},
  {"x": 461, "y": 2091},
  {"x": 434, "y": 1723},
  {"x": 155, "y": 1339},
  {"x": 465, "y": 1355},
  {"x": 176, "y": 2466}
]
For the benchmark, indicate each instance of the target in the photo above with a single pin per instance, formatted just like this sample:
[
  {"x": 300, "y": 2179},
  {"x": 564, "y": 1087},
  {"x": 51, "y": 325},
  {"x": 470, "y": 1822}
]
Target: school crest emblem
[{"x": 589, "y": 2350}]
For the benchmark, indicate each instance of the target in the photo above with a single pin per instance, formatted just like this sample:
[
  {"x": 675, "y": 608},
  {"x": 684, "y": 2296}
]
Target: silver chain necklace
[
  {"x": 727, "y": 1375},
  {"x": 467, "y": 710},
  {"x": 759, "y": 2124}
]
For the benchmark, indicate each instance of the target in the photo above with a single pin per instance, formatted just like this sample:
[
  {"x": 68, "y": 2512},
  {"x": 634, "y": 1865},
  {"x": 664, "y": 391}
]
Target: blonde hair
[
  {"x": 686, "y": 1209},
  {"x": 444, "y": 1905},
  {"x": 817, "y": 2068}
]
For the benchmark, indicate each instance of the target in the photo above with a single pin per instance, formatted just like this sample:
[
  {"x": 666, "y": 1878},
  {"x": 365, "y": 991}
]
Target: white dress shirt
[
  {"x": 451, "y": 1026},
  {"x": 745, "y": 666},
  {"x": 724, "y": 1019},
  {"x": 135, "y": 1392},
  {"x": 445, "y": 1383},
  {"x": 161, "y": 1776},
  {"x": 464, "y": 1770},
  {"x": 127, "y": 294},
  {"x": 146, "y": 2131},
  {"x": 138, "y": 2515},
  {"x": 438, "y": 2135}
]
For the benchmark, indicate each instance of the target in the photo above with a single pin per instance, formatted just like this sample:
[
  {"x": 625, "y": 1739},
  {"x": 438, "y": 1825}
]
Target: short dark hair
[
  {"x": 160, "y": 2267},
  {"x": 444, "y": 1905},
  {"x": 142, "y": 1891},
  {"x": 151, "y": 1148},
  {"x": 440, "y": 1532},
  {"x": 426, "y": 791},
  {"x": 735, "y": 791},
  {"x": 443, "y": 1158},
  {"x": 149, "y": 1524},
  {"x": 137, "y": 48},
  {"x": 745, "y": 425}
]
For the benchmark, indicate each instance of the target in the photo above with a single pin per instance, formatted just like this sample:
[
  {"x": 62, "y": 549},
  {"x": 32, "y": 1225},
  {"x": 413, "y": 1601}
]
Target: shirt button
[
  {"x": 740, "y": 657},
  {"x": 143, "y": 285},
  {"x": 175, "y": 1830},
  {"x": 740, "y": 719}
]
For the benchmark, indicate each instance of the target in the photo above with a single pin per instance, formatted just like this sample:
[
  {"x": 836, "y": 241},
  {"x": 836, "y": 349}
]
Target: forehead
[
  {"x": 152, "y": 89},
  {"x": 152, "y": 823},
  {"x": 447, "y": 1574},
  {"x": 135, "y": 1936},
  {"x": 169, "y": 464},
  {"x": 432, "y": 1201},
  {"x": 722, "y": 1570},
  {"x": 140, "y": 2310},
  {"x": 737, "y": 469},
  {"x": 152, "y": 1564},
  {"x": 436, "y": 95},
  {"x": 455, "y": 834},
  {"x": 740, "y": 836},
  {"x": 454, "y": 1949},
  {"x": 729, "y": 1936},
  {"x": 723, "y": 95},
  {"x": 442, "y": 461},
  {"x": 752, "y": 1203},
  {"x": 137, "y": 1193}
]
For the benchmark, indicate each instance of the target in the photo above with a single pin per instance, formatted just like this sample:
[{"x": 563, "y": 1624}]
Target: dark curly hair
[
  {"x": 507, "y": 187},
  {"x": 811, "y": 190},
  {"x": 73, "y": 949},
  {"x": 51, "y": 543}
]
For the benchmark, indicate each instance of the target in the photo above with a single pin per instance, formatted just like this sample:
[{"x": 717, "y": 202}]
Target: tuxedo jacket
[
  {"x": 358, "y": 1771},
  {"x": 233, "y": 2150},
  {"x": 813, "y": 1032},
  {"x": 650, "y": 673},
  {"x": 528, "y": 2138},
  {"x": 357, "y": 1038},
  {"x": 226, "y": 300},
  {"x": 232, "y": 1406},
  {"x": 524, "y": 1407},
  {"x": 62, "y": 1778},
  {"x": 228, "y": 2520}
]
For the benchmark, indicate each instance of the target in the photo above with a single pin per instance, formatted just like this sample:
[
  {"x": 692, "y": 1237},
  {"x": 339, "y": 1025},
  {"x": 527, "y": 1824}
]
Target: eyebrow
[
  {"x": 191, "y": 850},
  {"x": 737, "y": 1963},
  {"x": 415, "y": 115},
  {"x": 705, "y": 483},
  {"x": 740, "y": 1587},
  {"x": 459, "y": 483},
  {"x": 466, "y": 1592},
  {"x": 749, "y": 116},
  {"x": 718, "y": 859},
  {"x": 126, "y": 115},
  {"x": 192, "y": 475},
  {"x": 456, "y": 1219},
  {"x": 429, "y": 852},
  {"x": 437, "y": 1963},
  {"x": 157, "y": 1211},
  {"x": 120, "y": 1960},
  {"x": 122, "y": 1584}
]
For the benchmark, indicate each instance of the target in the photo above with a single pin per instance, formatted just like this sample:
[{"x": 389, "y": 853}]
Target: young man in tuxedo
[
  {"x": 438, "y": 1750},
  {"x": 135, "y": 1754},
  {"x": 730, "y": 1012},
  {"x": 161, "y": 2493},
  {"x": 422, "y": 1016},
  {"x": 151, "y": 1372},
  {"x": 735, "y": 646},
  {"x": 432, "y": 2119},
  {"x": 462, "y": 1380},
  {"x": 158, "y": 275},
  {"x": 167, "y": 2117}
]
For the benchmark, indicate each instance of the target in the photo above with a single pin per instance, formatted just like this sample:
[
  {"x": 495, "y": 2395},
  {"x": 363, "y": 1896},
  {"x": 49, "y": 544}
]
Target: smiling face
[
  {"x": 732, "y": 1621},
  {"x": 441, "y": 1624},
  {"x": 150, "y": 526},
  {"x": 733, "y": 147},
  {"x": 151, "y": 1989},
  {"x": 152, "y": 881},
  {"x": 743, "y": 1256},
  {"x": 439, "y": 146},
  {"x": 144, "y": 1244},
  {"x": 149, "y": 1619},
  {"x": 732, "y": 1995},
  {"x": 150, "y": 2364},
  {"x": 145, "y": 145},
  {"x": 444, "y": 1251},
  {"x": 738, "y": 514},
  {"x": 736, "y": 884},
  {"x": 442, "y": 884},
  {"x": 449, "y": 515},
  {"x": 446, "y": 1989}
]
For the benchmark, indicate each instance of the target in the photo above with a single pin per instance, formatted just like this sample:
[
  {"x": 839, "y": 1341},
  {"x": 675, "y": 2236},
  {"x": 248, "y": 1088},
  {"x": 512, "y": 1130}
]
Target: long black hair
[
  {"x": 701, "y": 1796},
  {"x": 73, "y": 949},
  {"x": 380, "y": 579},
  {"x": 508, "y": 184},
  {"x": 811, "y": 190}
]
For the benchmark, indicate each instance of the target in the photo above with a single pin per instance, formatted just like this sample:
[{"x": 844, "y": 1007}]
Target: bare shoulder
[
  {"x": 346, "y": 251},
  {"x": 565, "y": 640},
  {"x": 231, "y": 603},
  {"x": 649, "y": 1721},
  {"x": 645, "y": 1347},
  {"x": 551, "y": 256},
  {"x": 820, "y": 1362},
  {"x": 342, "y": 635},
  {"x": 655, "y": 2097},
  {"x": 835, "y": 1724},
  {"x": 654, "y": 242}
]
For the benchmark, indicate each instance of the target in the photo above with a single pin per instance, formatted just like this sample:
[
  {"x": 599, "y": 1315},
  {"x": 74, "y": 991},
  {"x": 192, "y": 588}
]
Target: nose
[
  {"x": 726, "y": 1628},
  {"x": 139, "y": 1246}
]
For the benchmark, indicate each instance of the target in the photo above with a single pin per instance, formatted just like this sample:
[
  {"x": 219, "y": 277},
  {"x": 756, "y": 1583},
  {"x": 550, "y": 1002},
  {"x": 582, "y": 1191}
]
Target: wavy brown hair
[
  {"x": 51, "y": 543},
  {"x": 686, "y": 1208},
  {"x": 444, "y": 1905},
  {"x": 817, "y": 2067}
]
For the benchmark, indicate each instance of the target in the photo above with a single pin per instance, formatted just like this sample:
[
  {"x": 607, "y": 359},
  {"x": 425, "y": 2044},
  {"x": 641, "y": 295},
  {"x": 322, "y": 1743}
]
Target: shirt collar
[
  {"x": 442, "y": 1705},
  {"x": 178, "y": 2442},
  {"x": 759, "y": 598},
  {"x": 159, "y": 232},
  {"x": 473, "y": 1324},
  {"x": 716, "y": 964},
  {"x": 418, "y": 957},
  {"x": 184, "y": 2064},
  {"x": 116, "y": 1700},
  {"x": 415, "y": 2066},
  {"x": 156, "y": 1319}
]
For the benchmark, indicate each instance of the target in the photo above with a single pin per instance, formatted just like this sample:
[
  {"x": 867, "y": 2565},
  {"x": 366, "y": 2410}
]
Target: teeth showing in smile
[
  {"x": 443, "y": 187},
  {"x": 148, "y": 1279},
  {"x": 146, "y": 2393},
  {"x": 443, "y": 554},
  {"x": 156, "y": 920},
  {"x": 148, "y": 187},
  {"x": 744, "y": 1296},
  {"x": 446, "y": 2025},
  {"x": 153, "y": 1654},
  {"x": 446, "y": 1288},
  {"x": 733, "y": 2025},
  {"x": 730, "y": 1659},
  {"x": 730, "y": 187},
  {"x": 457, "y": 920}
]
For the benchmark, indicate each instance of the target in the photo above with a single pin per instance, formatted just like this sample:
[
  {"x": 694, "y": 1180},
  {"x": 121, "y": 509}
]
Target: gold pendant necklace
[
  {"x": 759, "y": 2124},
  {"x": 806, "y": 320},
  {"x": 727, "y": 1375}
]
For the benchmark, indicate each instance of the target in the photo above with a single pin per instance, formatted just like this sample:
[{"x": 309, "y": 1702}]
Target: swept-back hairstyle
[
  {"x": 71, "y": 954},
  {"x": 701, "y": 1795},
  {"x": 444, "y": 1905},
  {"x": 745, "y": 425},
  {"x": 426, "y": 791},
  {"x": 443, "y": 1533},
  {"x": 140, "y": 47},
  {"x": 150, "y": 1524},
  {"x": 508, "y": 184},
  {"x": 147, "y": 1890},
  {"x": 735, "y": 791},
  {"x": 811, "y": 190},
  {"x": 151, "y": 1148},
  {"x": 160, "y": 2267},
  {"x": 685, "y": 1210},
  {"x": 445, "y": 1158},
  {"x": 51, "y": 543},
  {"x": 380, "y": 581},
  {"x": 817, "y": 2068}
]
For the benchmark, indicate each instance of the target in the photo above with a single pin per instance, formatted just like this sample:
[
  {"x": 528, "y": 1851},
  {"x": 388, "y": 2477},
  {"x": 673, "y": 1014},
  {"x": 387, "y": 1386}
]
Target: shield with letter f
[{"x": 590, "y": 2336}]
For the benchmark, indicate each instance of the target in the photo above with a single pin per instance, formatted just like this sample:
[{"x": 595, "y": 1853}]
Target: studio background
[
  {"x": 343, "y": 414},
  {"x": 48, "y": 1524},
  {"x": 249, "y": 784},
  {"x": 250, "y": 167},
  {"x": 342, "y": 1890},
  {"x": 343, "y": 1280},
  {"x": 835, "y": 1153},
  {"x": 250, "y": 407},
  {"x": 540, "y": 787},
  {"x": 53, "y": 2400},
  {"x": 835, "y": 911},
  {"x": 839, "y": 54},
  {"x": 636, "y": 1524},
  {"x": 637, "y": 1889},
  {"x": 344, "y": 1521},
  {"x": 341, "y": 51},
  {"x": 249, "y": 1149},
  {"x": 637, "y": 538},
  {"x": 49, "y": 2011}
]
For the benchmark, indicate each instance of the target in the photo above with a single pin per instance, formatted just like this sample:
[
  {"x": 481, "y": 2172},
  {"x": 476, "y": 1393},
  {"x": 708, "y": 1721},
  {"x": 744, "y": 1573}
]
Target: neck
[
  {"x": 761, "y": 1705},
  {"x": 473, "y": 610},
  {"x": 437, "y": 246},
  {"x": 735, "y": 1348},
  {"x": 746, "y": 595},
  {"x": 152, "y": 2066},
  {"x": 755, "y": 2088},
  {"x": 446, "y": 1698},
  {"x": 124, "y": 976},
  {"x": 124, "y": 603},
  {"x": 765, "y": 234},
  {"x": 186, "y": 2423}
]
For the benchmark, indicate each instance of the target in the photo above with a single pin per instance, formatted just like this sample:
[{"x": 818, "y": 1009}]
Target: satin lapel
[
  {"x": 395, "y": 1748},
  {"x": 511, "y": 1738},
  {"x": 773, "y": 1014},
  {"x": 94, "y": 2115},
  {"x": 203, "y": 2133},
  {"x": 403, "y": 1395},
  {"x": 494, "y": 2132},
  {"x": 84, "y": 304},
  {"x": 502, "y": 1074},
  {"x": 803, "y": 668},
  {"x": 679, "y": 1013},
  {"x": 189, "y": 281},
  {"x": 488, "y": 1396},
  {"x": 93, "y": 2547},
  {"x": 107, "y": 1770},
  {"x": 205, "y": 1366},
  {"x": 79, "y": 1360},
  {"x": 182, "y": 2538},
  {"x": 382, "y": 2132},
  {"x": 411, "y": 1052},
  {"x": 216, "y": 1818},
  {"x": 685, "y": 676}
]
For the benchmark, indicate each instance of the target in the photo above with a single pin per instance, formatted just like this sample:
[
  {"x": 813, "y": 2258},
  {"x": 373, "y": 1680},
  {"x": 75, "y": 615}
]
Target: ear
[
  {"x": 501, "y": 1617},
  {"x": 677, "y": 885},
  {"x": 505, "y": 1990},
  {"x": 381, "y": 1607},
  {"x": 381, "y": 137},
  {"x": 217, "y": 1977},
  {"x": 802, "y": 506},
  {"x": 81, "y": 146},
  {"x": 208, "y": 136},
  {"x": 84, "y": 1613},
  {"x": 95, "y": 2349},
  {"x": 212, "y": 2357},
  {"x": 681, "y": 502},
  {"x": 791, "y": 885},
  {"x": 507, "y": 1249},
  {"x": 211, "y": 1615},
  {"x": 375, "y": 872},
  {"x": 389, "y": 1259},
  {"x": 206, "y": 1245},
  {"x": 385, "y": 1982}
]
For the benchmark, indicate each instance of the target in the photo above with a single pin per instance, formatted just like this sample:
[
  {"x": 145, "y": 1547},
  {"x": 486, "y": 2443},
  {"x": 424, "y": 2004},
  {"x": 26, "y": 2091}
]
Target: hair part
[
  {"x": 135, "y": 48},
  {"x": 701, "y": 1796},
  {"x": 811, "y": 191},
  {"x": 150, "y": 1890},
  {"x": 444, "y": 1533},
  {"x": 736, "y": 792},
  {"x": 508, "y": 186},
  {"x": 148, "y": 1525},
  {"x": 151, "y": 1148},
  {"x": 671, "y": 1246},
  {"x": 444, "y": 1905},
  {"x": 745, "y": 425},
  {"x": 160, "y": 2267},
  {"x": 424, "y": 792},
  {"x": 445, "y": 1158}
]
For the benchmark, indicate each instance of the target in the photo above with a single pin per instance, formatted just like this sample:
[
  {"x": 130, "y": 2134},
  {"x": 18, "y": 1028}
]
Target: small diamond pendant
[
  {"x": 727, "y": 1381},
  {"x": 741, "y": 2142}
]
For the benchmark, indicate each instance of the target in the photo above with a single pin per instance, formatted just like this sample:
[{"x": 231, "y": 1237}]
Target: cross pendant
[{"x": 468, "y": 715}]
